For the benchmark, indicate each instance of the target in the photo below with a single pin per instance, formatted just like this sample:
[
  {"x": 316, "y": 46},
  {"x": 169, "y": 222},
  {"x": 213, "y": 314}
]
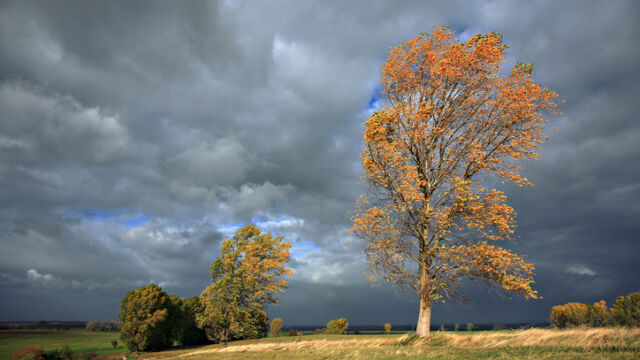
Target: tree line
[{"x": 625, "y": 311}]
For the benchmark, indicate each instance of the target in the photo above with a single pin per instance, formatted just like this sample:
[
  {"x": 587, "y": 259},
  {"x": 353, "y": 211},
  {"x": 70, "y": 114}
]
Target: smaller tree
[
  {"x": 246, "y": 277},
  {"x": 626, "y": 310},
  {"x": 469, "y": 327},
  {"x": 276, "y": 327},
  {"x": 456, "y": 327},
  {"x": 387, "y": 328},
  {"x": 598, "y": 314},
  {"x": 145, "y": 314},
  {"x": 338, "y": 326},
  {"x": 92, "y": 326}
]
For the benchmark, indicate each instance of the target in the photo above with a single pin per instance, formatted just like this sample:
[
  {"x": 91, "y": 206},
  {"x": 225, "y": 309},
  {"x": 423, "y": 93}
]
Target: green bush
[
  {"x": 469, "y": 327},
  {"x": 337, "y": 326},
  {"x": 276, "y": 327},
  {"x": 626, "y": 310}
]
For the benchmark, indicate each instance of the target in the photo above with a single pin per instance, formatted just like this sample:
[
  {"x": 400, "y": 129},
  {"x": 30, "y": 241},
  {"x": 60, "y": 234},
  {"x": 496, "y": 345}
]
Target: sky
[{"x": 135, "y": 136}]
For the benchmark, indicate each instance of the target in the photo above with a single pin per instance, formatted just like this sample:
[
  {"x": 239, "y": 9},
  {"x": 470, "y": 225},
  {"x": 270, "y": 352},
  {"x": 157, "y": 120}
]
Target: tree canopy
[
  {"x": 246, "y": 277},
  {"x": 451, "y": 121}
]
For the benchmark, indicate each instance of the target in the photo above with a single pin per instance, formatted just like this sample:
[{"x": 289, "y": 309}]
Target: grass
[
  {"x": 80, "y": 341},
  {"x": 514, "y": 344},
  {"x": 604, "y": 343}
]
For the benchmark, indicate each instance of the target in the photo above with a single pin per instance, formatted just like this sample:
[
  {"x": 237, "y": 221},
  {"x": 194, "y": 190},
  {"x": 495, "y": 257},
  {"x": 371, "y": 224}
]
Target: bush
[
  {"x": 60, "y": 354},
  {"x": 92, "y": 326},
  {"x": 276, "y": 327},
  {"x": 338, "y": 326},
  {"x": 456, "y": 327},
  {"x": 387, "y": 328},
  {"x": 114, "y": 343},
  {"x": 293, "y": 333},
  {"x": 626, "y": 310},
  {"x": 571, "y": 314},
  {"x": 145, "y": 314},
  {"x": 441, "y": 328},
  {"x": 498, "y": 327},
  {"x": 29, "y": 353},
  {"x": 469, "y": 327}
]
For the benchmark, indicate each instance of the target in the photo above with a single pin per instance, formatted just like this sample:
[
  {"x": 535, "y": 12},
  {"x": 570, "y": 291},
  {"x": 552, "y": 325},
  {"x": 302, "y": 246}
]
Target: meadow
[
  {"x": 79, "y": 340},
  {"x": 579, "y": 343}
]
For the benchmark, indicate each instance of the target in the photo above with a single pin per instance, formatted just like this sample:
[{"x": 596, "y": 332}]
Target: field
[
  {"x": 516, "y": 344},
  {"x": 510, "y": 344},
  {"x": 80, "y": 341}
]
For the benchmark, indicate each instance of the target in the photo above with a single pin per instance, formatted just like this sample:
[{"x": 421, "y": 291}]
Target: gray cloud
[{"x": 134, "y": 136}]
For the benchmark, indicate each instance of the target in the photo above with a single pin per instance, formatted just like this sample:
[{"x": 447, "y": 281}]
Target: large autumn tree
[
  {"x": 246, "y": 277},
  {"x": 451, "y": 121}
]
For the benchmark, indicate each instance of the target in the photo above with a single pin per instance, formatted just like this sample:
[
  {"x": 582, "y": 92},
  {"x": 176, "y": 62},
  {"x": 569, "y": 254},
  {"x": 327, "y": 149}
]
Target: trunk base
[{"x": 423, "y": 328}]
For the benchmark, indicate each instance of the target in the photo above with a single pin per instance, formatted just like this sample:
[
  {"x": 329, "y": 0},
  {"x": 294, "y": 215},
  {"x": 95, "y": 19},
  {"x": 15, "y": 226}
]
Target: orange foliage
[{"x": 450, "y": 119}]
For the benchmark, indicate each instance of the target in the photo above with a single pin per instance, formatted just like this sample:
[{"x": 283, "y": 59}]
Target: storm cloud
[{"x": 134, "y": 136}]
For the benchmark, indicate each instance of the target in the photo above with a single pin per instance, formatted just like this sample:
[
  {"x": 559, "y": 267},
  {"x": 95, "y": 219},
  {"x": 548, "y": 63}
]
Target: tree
[
  {"x": 598, "y": 314},
  {"x": 451, "y": 121},
  {"x": 571, "y": 314},
  {"x": 246, "y": 277},
  {"x": 92, "y": 326},
  {"x": 185, "y": 328},
  {"x": 387, "y": 328},
  {"x": 469, "y": 326},
  {"x": 276, "y": 327},
  {"x": 625, "y": 311},
  {"x": 338, "y": 326},
  {"x": 147, "y": 319}
]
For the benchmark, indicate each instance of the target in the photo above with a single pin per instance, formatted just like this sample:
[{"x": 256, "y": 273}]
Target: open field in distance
[{"x": 80, "y": 341}]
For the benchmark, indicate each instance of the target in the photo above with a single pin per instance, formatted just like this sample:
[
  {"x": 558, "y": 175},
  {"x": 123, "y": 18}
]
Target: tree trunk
[{"x": 424, "y": 319}]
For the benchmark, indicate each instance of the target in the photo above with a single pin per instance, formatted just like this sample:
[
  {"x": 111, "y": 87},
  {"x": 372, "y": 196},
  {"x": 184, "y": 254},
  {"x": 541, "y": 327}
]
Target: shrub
[
  {"x": 387, "y": 328},
  {"x": 441, "y": 328},
  {"x": 571, "y": 314},
  {"x": 456, "y": 327},
  {"x": 29, "y": 353},
  {"x": 292, "y": 332},
  {"x": 469, "y": 327},
  {"x": 276, "y": 327},
  {"x": 338, "y": 326},
  {"x": 146, "y": 319},
  {"x": 114, "y": 343},
  {"x": 60, "y": 354},
  {"x": 626, "y": 310}
]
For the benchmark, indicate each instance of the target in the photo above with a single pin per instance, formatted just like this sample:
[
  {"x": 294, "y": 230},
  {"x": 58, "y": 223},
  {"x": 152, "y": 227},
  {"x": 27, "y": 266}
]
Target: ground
[{"x": 607, "y": 343}]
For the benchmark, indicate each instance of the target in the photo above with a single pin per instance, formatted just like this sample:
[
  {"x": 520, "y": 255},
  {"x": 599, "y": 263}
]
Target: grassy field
[
  {"x": 511, "y": 344},
  {"x": 80, "y": 341},
  {"x": 516, "y": 344}
]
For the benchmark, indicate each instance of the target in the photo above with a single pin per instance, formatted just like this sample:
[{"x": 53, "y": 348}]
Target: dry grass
[
  {"x": 519, "y": 344},
  {"x": 570, "y": 338}
]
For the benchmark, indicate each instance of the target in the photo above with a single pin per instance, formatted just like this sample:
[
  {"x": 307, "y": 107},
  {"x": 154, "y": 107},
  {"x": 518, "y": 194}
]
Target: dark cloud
[{"x": 135, "y": 135}]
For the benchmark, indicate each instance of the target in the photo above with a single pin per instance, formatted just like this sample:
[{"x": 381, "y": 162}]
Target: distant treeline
[
  {"x": 42, "y": 325},
  {"x": 625, "y": 311},
  {"x": 104, "y": 325}
]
